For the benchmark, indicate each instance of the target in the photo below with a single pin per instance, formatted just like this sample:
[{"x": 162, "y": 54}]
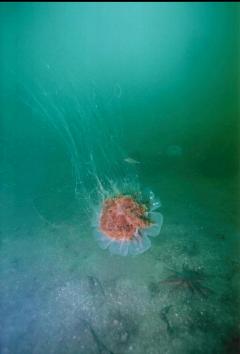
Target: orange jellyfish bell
[{"x": 125, "y": 223}]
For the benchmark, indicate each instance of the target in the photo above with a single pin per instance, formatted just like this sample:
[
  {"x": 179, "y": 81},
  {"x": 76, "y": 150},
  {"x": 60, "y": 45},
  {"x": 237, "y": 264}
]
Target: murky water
[{"x": 100, "y": 100}]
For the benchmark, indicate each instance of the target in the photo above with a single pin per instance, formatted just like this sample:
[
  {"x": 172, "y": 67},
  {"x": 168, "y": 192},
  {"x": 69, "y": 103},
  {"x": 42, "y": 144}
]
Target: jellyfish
[
  {"x": 125, "y": 222},
  {"x": 88, "y": 121}
]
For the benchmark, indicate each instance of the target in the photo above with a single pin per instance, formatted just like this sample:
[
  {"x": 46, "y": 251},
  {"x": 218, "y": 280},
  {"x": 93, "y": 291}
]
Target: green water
[{"x": 94, "y": 98}]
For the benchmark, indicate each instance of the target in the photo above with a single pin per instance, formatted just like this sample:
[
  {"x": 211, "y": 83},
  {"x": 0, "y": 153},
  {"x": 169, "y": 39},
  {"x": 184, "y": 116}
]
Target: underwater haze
[{"x": 101, "y": 102}]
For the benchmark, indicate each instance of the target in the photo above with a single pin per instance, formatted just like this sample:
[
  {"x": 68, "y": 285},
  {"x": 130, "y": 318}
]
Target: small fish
[{"x": 130, "y": 160}]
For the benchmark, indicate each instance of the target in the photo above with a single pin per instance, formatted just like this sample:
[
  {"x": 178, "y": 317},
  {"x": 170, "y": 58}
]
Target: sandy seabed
[{"x": 60, "y": 293}]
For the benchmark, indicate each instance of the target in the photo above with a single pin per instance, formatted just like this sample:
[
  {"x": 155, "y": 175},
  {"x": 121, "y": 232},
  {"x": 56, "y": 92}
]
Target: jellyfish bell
[{"x": 125, "y": 222}]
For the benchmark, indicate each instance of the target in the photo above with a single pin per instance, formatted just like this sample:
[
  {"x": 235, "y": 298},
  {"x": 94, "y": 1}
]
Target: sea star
[{"x": 189, "y": 279}]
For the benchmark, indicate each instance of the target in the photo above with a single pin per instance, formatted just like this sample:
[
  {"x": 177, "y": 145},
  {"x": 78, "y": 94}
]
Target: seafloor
[{"x": 60, "y": 293}]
